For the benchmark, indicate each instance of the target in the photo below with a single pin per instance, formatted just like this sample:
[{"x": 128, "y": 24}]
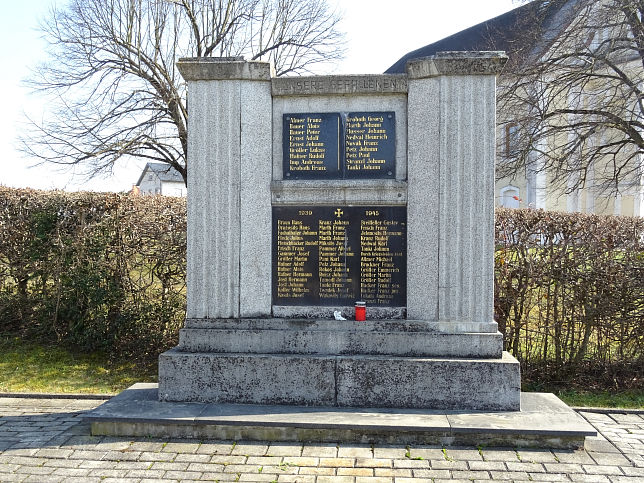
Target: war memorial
[{"x": 311, "y": 199}]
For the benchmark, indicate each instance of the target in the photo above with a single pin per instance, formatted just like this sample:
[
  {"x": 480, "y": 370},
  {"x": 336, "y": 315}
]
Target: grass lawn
[
  {"x": 604, "y": 399},
  {"x": 31, "y": 367},
  {"x": 578, "y": 397}
]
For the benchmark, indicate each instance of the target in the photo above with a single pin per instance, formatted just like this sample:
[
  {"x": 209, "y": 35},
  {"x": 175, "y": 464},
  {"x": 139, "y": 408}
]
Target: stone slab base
[
  {"x": 339, "y": 338},
  {"x": 544, "y": 421},
  {"x": 345, "y": 381}
]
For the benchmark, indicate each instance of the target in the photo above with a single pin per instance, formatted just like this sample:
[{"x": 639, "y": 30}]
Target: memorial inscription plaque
[
  {"x": 324, "y": 255},
  {"x": 350, "y": 145},
  {"x": 370, "y": 145},
  {"x": 311, "y": 146}
]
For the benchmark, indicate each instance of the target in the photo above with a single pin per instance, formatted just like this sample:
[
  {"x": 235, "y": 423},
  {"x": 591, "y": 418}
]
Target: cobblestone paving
[{"x": 45, "y": 440}]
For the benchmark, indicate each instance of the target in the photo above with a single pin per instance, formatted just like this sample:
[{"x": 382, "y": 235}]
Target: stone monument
[{"x": 309, "y": 194}]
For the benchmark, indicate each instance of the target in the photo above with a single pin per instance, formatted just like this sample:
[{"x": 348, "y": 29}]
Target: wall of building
[
  {"x": 170, "y": 188},
  {"x": 150, "y": 184}
]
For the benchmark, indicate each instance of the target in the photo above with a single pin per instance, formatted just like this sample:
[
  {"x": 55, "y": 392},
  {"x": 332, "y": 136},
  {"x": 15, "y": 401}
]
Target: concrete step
[
  {"x": 543, "y": 422},
  {"x": 377, "y": 325},
  {"x": 318, "y": 342},
  {"x": 331, "y": 337},
  {"x": 341, "y": 380}
]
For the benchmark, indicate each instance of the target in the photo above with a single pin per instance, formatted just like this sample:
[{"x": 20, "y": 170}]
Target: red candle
[{"x": 361, "y": 311}]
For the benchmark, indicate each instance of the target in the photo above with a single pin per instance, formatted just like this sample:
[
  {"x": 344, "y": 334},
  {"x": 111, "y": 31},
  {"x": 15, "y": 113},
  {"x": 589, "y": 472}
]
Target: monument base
[
  {"x": 353, "y": 381},
  {"x": 393, "y": 364},
  {"x": 543, "y": 422}
]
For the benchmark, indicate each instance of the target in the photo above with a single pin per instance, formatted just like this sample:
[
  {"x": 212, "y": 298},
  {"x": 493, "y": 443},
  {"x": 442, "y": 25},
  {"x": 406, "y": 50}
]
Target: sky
[{"x": 378, "y": 32}]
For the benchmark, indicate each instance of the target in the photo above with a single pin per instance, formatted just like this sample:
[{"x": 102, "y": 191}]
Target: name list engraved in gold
[
  {"x": 380, "y": 259},
  {"x": 311, "y": 145},
  {"x": 339, "y": 145},
  {"x": 336, "y": 259},
  {"x": 370, "y": 144},
  {"x": 295, "y": 243},
  {"x": 337, "y": 255}
]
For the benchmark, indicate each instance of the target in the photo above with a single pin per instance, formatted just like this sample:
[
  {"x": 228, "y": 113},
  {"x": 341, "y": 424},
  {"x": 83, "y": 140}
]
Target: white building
[
  {"x": 553, "y": 37},
  {"x": 160, "y": 179}
]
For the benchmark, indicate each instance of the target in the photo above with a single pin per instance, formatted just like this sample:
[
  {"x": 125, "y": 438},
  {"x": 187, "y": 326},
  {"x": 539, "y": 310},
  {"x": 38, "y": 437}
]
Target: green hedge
[
  {"x": 100, "y": 271},
  {"x": 569, "y": 295},
  {"x": 107, "y": 271}
]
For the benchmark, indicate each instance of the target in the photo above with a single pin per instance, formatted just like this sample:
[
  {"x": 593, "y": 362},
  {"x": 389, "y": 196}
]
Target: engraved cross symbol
[{"x": 339, "y": 212}]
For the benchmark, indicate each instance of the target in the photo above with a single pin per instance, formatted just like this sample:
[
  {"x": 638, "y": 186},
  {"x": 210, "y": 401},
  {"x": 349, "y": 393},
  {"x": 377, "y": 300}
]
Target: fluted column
[
  {"x": 451, "y": 189},
  {"x": 229, "y": 173}
]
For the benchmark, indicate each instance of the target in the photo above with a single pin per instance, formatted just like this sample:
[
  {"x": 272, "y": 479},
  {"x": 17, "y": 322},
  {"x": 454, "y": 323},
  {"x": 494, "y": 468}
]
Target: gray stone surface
[
  {"x": 341, "y": 192},
  {"x": 547, "y": 421},
  {"x": 340, "y": 85},
  {"x": 223, "y": 68},
  {"x": 451, "y": 186},
  {"x": 423, "y": 198},
  {"x": 337, "y": 380},
  {"x": 255, "y": 200},
  {"x": 213, "y": 207},
  {"x": 533, "y": 406},
  {"x": 372, "y": 102},
  {"x": 229, "y": 213},
  {"x": 246, "y": 378},
  {"x": 407, "y": 325},
  {"x": 475, "y": 384},
  {"x": 407, "y": 338},
  {"x": 466, "y": 199},
  {"x": 457, "y": 63}
]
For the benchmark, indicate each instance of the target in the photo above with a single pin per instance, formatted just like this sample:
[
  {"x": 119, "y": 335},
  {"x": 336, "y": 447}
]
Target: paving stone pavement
[{"x": 46, "y": 440}]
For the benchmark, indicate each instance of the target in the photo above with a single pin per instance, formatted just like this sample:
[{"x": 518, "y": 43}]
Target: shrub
[
  {"x": 569, "y": 295},
  {"x": 100, "y": 271}
]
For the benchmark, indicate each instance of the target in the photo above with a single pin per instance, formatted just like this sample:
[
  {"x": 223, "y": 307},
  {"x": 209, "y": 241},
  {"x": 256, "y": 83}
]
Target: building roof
[
  {"x": 526, "y": 29},
  {"x": 165, "y": 172}
]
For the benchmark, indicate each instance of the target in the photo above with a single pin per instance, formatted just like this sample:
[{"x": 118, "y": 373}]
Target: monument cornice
[
  {"x": 224, "y": 68},
  {"x": 457, "y": 63},
  {"x": 325, "y": 85}
]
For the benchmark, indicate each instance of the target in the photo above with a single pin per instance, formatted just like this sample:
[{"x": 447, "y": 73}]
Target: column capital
[
  {"x": 457, "y": 63},
  {"x": 224, "y": 68}
]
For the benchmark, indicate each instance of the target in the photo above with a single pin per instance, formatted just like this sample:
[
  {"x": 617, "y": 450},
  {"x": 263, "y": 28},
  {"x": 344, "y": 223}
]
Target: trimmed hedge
[
  {"x": 107, "y": 271},
  {"x": 569, "y": 295},
  {"x": 99, "y": 271}
]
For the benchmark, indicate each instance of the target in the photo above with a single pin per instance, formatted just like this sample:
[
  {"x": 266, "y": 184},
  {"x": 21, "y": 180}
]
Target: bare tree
[
  {"x": 571, "y": 96},
  {"x": 111, "y": 83}
]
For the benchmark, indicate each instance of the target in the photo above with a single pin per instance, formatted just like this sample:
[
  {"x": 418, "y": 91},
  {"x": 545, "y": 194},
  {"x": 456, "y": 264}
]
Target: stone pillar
[
  {"x": 229, "y": 199},
  {"x": 451, "y": 189}
]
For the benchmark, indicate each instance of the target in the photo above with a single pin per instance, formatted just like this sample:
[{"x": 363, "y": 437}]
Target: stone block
[
  {"x": 347, "y": 381},
  {"x": 347, "y": 340},
  {"x": 255, "y": 199},
  {"x": 544, "y": 421},
  {"x": 457, "y": 64},
  {"x": 477, "y": 384},
  {"x": 246, "y": 378},
  {"x": 223, "y": 68},
  {"x": 423, "y": 165}
]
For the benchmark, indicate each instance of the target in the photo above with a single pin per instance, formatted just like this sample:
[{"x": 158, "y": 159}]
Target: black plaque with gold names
[
  {"x": 312, "y": 146},
  {"x": 370, "y": 145},
  {"x": 354, "y": 145},
  {"x": 336, "y": 255}
]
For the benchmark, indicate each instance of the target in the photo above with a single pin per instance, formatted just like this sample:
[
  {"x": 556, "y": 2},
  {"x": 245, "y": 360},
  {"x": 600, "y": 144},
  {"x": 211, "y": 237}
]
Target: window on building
[{"x": 511, "y": 139}]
